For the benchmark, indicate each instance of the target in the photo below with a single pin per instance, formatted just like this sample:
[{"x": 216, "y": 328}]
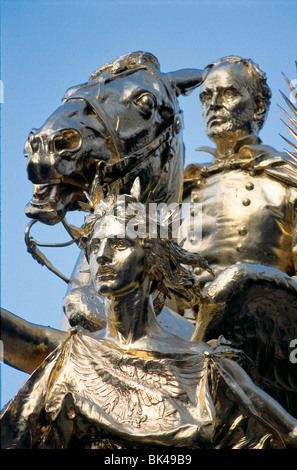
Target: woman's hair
[
  {"x": 168, "y": 265},
  {"x": 170, "y": 268}
]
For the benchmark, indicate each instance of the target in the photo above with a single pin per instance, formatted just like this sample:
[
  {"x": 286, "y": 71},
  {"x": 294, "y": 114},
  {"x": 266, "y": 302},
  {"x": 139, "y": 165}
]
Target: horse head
[{"x": 124, "y": 122}]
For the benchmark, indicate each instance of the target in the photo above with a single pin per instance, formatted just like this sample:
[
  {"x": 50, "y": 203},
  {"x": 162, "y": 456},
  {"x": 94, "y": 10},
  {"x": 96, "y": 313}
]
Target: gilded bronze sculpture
[
  {"x": 249, "y": 194},
  {"x": 259, "y": 226},
  {"x": 134, "y": 384},
  {"x": 125, "y": 122}
]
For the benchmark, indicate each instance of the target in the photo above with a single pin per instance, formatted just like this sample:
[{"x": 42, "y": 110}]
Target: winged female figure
[{"x": 134, "y": 383}]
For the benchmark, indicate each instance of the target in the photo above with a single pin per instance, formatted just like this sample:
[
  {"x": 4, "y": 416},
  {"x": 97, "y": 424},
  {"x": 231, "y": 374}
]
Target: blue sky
[{"x": 47, "y": 46}]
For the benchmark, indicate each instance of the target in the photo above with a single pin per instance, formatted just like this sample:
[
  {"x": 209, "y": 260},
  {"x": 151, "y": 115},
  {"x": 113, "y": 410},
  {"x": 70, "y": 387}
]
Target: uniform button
[
  {"x": 195, "y": 198},
  {"x": 192, "y": 239},
  {"x": 242, "y": 231},
  {"x": 240, "y": 248},
  {"x": 249, "y": 186},
  {"x": 246, "y": 202},
  {"x": 193, "y": 212},
  {"x": 197, "y": 271}
]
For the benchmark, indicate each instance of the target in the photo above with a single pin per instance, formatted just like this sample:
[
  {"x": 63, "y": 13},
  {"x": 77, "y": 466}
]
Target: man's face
[
  {"x": 116, "y": 263},
  {"x": 228, "y": 105}
]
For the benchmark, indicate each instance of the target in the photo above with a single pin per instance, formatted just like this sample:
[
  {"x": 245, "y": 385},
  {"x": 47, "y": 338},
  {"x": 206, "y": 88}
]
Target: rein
[
  {"x": 110, "y": 175},
  {"x": 40, "y": 257},
  {"x": 135, "y": 161}
]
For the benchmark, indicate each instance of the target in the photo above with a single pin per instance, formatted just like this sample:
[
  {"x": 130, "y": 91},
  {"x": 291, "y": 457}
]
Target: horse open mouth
[{"x": 51, "y": 201}]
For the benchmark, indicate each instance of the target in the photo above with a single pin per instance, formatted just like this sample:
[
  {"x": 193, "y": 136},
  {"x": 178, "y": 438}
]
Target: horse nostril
[
  {"x": 32, "y": 145},
  {"x": 67, "y": 140}
]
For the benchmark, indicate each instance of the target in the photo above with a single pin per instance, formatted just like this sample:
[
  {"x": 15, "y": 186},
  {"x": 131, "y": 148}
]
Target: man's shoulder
[
  {"x": 279, "y": 165},
  {"x": 254, "y": 157}
]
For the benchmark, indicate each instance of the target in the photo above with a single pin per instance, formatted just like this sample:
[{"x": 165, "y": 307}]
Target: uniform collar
[
  {"x": 245, "y": 147},
  {"x": 249, "y": 155}
]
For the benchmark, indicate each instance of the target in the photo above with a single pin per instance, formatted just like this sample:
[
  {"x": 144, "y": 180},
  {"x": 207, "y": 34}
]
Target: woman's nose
[{"x": 104, "y": 253}]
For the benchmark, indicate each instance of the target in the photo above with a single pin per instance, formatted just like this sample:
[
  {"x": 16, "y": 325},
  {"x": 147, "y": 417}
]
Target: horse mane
[{"x": 127, "y": 62}]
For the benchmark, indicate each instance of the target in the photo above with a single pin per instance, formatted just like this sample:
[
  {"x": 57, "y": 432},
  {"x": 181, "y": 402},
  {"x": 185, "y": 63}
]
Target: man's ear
[
  {"x": 186, "y": 80},
  {"x": 260, "y": 110}
]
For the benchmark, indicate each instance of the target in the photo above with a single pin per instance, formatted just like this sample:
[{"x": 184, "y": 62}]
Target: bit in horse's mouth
[
  {"x": 44, "y": 193},
  {"x": 49, "y": 193},
  {"x": 51, "y": 201}
]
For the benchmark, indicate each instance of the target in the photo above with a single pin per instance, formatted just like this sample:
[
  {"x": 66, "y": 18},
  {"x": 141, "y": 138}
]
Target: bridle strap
[
  {"x": 136, "y": 160},
  {"x": 133, "y": 162},
  {"x": 90, "y": 93}
]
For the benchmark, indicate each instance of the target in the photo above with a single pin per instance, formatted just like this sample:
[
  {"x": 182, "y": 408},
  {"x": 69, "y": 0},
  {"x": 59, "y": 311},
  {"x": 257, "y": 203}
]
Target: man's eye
[
  {"x": 229, "y": 94},
  {"x": 205, "y": 97}
]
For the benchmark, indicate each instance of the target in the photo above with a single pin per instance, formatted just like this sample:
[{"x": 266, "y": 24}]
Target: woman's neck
[{"x": 130, "y": 317}]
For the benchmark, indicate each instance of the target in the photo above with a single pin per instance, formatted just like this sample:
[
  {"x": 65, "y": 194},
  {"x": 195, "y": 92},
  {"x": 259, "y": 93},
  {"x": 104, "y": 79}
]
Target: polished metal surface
[
  {"x": 124, "y": 122},
  {"x": 254, "y": 215},
  {"x": 134, "y": 383},
  {"x": 247, "y": 199},
  {"x": 162, "y": 353},
  {"x": 248, "y": 194}
]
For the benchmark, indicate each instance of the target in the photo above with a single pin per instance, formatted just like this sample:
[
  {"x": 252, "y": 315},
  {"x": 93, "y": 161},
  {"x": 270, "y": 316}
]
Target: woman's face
[{"x": 116, "y": 263}]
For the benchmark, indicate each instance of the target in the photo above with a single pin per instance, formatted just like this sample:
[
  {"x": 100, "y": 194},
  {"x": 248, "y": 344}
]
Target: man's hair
[{"x": 257, "y": 85}]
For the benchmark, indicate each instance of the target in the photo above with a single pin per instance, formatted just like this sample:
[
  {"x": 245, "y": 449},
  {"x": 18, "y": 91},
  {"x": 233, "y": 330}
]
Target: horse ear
[
  {"x": 72, "y": 90},
  {"x": 186, "y": 80},
  {"x": 136, "y": 189}
]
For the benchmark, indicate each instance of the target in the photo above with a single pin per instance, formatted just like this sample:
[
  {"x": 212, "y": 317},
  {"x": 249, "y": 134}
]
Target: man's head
[{"x": 235, "y": 98}]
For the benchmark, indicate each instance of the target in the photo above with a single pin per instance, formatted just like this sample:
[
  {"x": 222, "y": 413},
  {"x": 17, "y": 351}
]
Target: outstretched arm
[
  {"x": 265, "y": 406},
  {"x": 26, "y": 345}
]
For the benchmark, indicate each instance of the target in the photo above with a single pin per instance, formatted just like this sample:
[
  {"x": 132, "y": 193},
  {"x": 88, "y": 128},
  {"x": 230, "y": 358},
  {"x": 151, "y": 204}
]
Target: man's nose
[{"x": 215, "y": 100}]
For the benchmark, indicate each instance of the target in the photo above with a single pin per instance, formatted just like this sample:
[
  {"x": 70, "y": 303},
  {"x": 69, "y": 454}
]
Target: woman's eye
[
  {"x": 95, "y": 245},
  {"x": 146, "y": 101},
  {"x": 118, "y": 244}
]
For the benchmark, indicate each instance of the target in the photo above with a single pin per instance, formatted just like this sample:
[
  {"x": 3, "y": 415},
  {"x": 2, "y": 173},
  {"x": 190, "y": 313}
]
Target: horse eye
[
  {"x": 146, "y": 101},
  {"x": 89, "y": 111}
]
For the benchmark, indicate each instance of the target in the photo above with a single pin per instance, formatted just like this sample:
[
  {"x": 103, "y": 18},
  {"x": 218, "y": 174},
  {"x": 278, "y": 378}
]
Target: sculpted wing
[
  {"x": 111, "y": 388},
  {"x": 255, "y": 308}
]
